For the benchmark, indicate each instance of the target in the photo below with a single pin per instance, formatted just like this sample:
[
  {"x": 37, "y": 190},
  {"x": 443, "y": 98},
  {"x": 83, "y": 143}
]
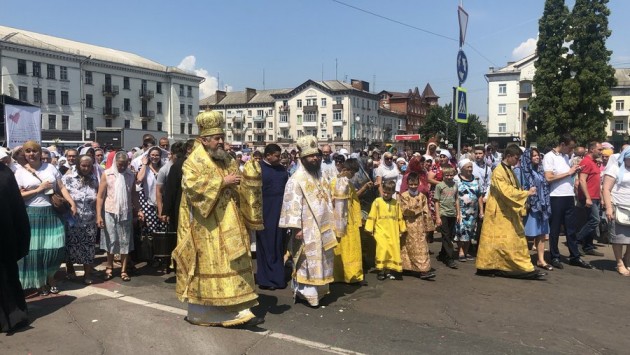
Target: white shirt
[
  {"x": 26, "y": 180},
  {"x": 329, "y": 169},
  {"x": 558, "y": 164},
  {"x": 620, "y": 192},
  {"x": 483, "y": 174}
]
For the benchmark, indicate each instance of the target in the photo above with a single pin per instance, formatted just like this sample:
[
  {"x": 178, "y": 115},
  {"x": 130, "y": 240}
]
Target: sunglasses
[{"x": 388, "y": 159}]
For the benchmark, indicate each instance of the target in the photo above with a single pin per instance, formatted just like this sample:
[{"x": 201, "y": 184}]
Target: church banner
[{"x": 23, "y": 123}]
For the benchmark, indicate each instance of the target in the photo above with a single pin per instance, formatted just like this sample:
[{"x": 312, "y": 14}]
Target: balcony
[
  {"x": 338, "y": 123},
  {"x": 338, "y": 139},
  {"x": 338, "y": 107},
  {"x": 621, "y": 113},
  {"x": 259, "y": 131},
  {"x": 311, "y": 108},
  {"x": 237, "y": 131},
  {"x": 260, "y": 117},
  {"x": 110, "y": 90},
  {"x": 111, "y": 112},
  {"x": 524, "y": 95},
  {"x": 309, "y": 123},
  {"x": 237, "y": 117},
  {"x": 285, "y": 140},
  {"x": 146, "y": 94},
  {"x": 286, "y": 124},
  {"x": 284, "y": 108},
  {"x": 147, "y": 115}
]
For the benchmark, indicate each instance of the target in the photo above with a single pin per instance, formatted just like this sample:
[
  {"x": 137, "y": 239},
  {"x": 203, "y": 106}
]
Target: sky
[{"x": 394, "y": 45}]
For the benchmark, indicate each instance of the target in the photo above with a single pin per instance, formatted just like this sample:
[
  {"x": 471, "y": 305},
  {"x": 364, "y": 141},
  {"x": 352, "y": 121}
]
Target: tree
[
  {"x": 440, "y": 117},
  {"x": 586, "y": 98},
  {"x": 545, "y": 108}
]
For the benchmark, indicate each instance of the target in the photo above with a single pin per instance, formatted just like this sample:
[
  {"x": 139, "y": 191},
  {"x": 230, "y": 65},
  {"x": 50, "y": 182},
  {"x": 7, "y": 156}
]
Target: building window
[
  {"x": 52, "y": 97},
  {"x": 323, "y": 102},
  {"x": 50, "y": 71},
  {"x": 126, "y": 84},
  {"x": 190, "y": 113},
  {"x": 299, "y": 103},
  {"x": 619, "y": 105},
  {"x": 159, "y": 109},
  {"x": 88, "y": 77},
  {"x": 502, "y": 109},
  {"x": 270, "y": 125},
  {"x": 181, "y": 90},
  {"x": 249, "y": 113},
  {"x": 619, "y": 126},
  {"x": 284, "y": 117},
  {"x": 323, "y": 118},
  {"x": 338, "y": 100},
  {"x": 336, "y": 115},
  {"x": 502, "y": 127},
  {"x": 23, "y": 92},
  {"x": 126, "y": 105},
  {"x": 89, "y": 123},
  {"x": 299, "y": 120},
  {"x": 65, "y": 100},
  {"x": 159, "y": 126},
  {"x": 249, "y": 137},
  {"x": 37, "y": 69},
  {"x": 63, "y": 73},
  {"x": 271, "y": 138},
  {"x": 310, "y": 117},
  {"x": 190, "y": 92},
  {"x": 158, "y": 88},
  {"x": 89, "y": 101},
  {"x": 190, "y": 128},
  {"x": 502, "y": 89},
  {"x": 260, "y": 113},
  {"x": 182, "y": 128},
  {"x": 127, "y": 123},
  {"x": 52, "y": 122},
  {"x": 108, "y": 122},
  {"x": 145, "y": 125},
  {"x": 21, "y": 67},
  {"x": 37, "y": 95},
  {"x": 65, "y": 122},
  {"x": 182, "y": 109}
]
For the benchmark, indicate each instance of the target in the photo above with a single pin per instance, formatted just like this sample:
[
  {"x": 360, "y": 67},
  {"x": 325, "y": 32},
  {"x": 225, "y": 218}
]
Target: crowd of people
[{"x": 328, "y": 216}]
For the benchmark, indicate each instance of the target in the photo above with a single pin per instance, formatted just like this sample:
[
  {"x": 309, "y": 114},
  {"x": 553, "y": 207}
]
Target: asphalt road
[{"x": 574, "y": 311}]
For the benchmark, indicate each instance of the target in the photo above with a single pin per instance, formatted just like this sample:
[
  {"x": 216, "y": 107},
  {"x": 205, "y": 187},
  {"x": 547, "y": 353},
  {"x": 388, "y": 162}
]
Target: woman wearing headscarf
[
  {"x": 19, "y": 158},
  {"x": 470, "y": 206},
  {"x": 14, "y": 245},
  {"x": 147, "y": 176},
  {"x": 386, "y": 171},
  {"x": 417, "y": 165},
  {"x": 530, "y": 173},
  {"x": 38, "y": 181},
  {"x": 118, "y": 196},
  {"x": 81, "y": 229},
  {"x": 616, "y": 195},
  {"x": 97, "y": 170}
]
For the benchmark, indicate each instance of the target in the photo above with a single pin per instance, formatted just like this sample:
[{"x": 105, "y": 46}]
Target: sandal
[
  {"x": 109, "y": 273},
  {"x": 546, "y": 267},
  {"x": 125, "y": 277},
  {"x": 54, "y": 290}
]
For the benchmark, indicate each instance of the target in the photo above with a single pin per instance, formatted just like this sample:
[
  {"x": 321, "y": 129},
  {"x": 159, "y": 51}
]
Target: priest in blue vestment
[{"x": 270, "y": 242}]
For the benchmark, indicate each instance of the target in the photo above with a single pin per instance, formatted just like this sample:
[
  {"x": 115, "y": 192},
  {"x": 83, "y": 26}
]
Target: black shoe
[
  {"x": 581, "y": 250},
  {"x": 270, "y": 288},
  {"x": 581, "y": 263},
  {"x": 451, "y": 264},
  {"x": 593, "y": 252},
  {"x": 427, "y": 275},
  {"x": 557, "y": 264},
  {"x": 381, "y": 276}
]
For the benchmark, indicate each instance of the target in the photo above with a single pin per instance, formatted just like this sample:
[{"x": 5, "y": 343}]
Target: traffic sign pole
[{"x": 459, "y": 94}]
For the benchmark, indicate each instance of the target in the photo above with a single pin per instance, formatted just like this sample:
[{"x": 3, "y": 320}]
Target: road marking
[{"x": 94, "y": 290}]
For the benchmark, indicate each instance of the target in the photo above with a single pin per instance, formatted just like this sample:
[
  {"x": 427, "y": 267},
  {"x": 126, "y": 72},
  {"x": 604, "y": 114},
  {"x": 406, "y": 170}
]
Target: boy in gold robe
[{"x": 386, "y": 224}]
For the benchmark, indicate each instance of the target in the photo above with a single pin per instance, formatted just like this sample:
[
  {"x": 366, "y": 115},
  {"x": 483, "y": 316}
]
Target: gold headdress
[
  {"x": 210, "y": 123},
  {"x": 307, "y": 145}
]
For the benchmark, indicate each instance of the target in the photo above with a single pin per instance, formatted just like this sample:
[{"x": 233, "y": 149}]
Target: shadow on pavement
[
  {"x": 39, "y": 307},
  {"x": 269, "y": 304}
]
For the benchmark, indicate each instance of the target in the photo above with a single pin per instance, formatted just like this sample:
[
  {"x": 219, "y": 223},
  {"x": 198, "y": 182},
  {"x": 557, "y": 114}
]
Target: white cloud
[
  {"x": 208, "y": 86},
  {"x": 524, "y": 49}
]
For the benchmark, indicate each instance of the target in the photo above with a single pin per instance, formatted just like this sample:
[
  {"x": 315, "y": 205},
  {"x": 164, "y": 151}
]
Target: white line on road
[{"x": 92, "y": 290}]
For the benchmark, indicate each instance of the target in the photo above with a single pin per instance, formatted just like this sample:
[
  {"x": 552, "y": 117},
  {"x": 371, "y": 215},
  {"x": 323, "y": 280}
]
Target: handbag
[
  {"x": 622, "y": 215},
  {"x": 59, "y": 203}
]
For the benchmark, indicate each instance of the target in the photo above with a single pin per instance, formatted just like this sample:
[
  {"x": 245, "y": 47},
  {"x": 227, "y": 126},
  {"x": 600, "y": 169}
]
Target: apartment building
[{"x": 81, "y": 87}]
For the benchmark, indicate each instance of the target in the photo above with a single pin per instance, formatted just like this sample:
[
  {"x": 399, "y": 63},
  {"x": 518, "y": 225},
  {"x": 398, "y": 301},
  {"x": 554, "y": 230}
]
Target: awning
[{"x": 407, "y": 137}]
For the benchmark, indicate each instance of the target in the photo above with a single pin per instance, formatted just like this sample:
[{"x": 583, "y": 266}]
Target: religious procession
[{"x": 303, "y": 219}]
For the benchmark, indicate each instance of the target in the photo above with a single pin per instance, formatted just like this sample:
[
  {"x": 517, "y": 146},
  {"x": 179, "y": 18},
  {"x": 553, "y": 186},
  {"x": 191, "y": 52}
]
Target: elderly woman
[
  {"x": 387, "y": 171},
  {"x": 38, "y": 182},
  {"x": 81, "y": 236},
  {"x": 616, "y": 195},
  {"x": 117, "y": 194},
  {"x": 97, "y": 170},
  {"x": 531, "y": 174},
  {"x": 470, "y": 207},
  {"x": 19, "y": 158}
]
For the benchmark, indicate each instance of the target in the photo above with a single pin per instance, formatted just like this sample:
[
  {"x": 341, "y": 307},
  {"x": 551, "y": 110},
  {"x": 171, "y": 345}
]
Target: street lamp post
[
  {"x": 3, "y": 39},
  {"x": 357, "y": 119}
]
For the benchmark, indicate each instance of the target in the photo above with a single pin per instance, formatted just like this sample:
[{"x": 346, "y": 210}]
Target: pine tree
[
  {"x": 545, "y": 108},
  {"x": 587, "y": 99}
]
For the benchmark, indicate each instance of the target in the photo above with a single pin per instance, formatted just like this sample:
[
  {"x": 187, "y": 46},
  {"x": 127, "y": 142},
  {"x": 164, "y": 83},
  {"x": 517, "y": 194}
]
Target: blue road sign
[
  {"x": 462, "y": 66},
  {"x": 461, "y": 106}
]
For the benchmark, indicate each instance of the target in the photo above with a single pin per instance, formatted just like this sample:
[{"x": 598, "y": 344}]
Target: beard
[
  {"x": 312, "y": 167},
  {"x": 219, "y": 154}
]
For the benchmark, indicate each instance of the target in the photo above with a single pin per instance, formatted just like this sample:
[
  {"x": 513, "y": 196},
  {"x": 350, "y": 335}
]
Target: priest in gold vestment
[
  {"x": 502, "y": 245},
  {"x": 214, "y": 265},
  {"x": 307, "y": 211}
]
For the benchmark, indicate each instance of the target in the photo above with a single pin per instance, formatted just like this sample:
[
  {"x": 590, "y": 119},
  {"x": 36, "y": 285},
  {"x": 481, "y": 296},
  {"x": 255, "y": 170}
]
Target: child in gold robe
[{"x": 386, "y": 224}]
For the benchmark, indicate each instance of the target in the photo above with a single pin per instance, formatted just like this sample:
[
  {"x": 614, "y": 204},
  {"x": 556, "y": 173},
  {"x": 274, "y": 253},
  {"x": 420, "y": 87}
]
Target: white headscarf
[
  {"x": 120, "y": 191},
  {"x": 446, "y": 153},
  {"x": 463, "y": 163}
]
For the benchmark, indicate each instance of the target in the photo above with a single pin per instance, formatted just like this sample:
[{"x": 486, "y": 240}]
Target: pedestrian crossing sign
[{"x": 460, "y": 107}]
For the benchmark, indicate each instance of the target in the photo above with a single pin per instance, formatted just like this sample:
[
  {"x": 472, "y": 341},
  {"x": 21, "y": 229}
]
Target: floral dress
[
  {"x": 468, "y": 192},
  {"x": 81, "y": 229}
]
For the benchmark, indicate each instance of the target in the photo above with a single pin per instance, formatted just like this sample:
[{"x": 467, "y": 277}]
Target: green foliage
[
  {"x": 439, "y": 117},
  {"x": 572, "y": 84}
]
